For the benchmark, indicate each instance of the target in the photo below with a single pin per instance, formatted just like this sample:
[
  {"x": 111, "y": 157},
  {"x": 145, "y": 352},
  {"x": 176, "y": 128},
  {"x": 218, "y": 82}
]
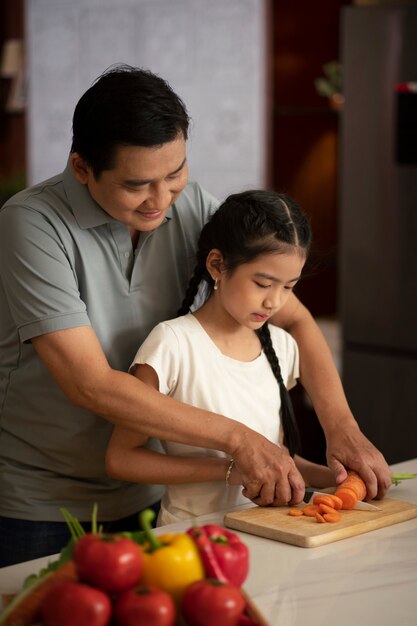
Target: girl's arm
[
  {"x": 128, "y": 459},
  {"x": 75, "y": 359},
  {"x": 314, "y": 475}
]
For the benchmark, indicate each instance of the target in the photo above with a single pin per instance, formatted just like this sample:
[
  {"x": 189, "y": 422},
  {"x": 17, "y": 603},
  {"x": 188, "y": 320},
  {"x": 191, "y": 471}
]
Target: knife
[{"x": 308, "y": 494}]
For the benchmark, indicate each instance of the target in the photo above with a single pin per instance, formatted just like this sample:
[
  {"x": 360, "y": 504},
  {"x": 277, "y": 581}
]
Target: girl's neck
[{"x": 232, "y": 339}]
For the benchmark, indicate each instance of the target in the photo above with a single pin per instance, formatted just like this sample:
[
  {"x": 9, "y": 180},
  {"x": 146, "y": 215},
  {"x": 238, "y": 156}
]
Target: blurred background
[{"x": 318, "y": 100}]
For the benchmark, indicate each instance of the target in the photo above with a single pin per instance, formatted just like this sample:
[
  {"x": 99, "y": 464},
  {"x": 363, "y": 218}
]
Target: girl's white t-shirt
[{"x": 192, "y": 369}]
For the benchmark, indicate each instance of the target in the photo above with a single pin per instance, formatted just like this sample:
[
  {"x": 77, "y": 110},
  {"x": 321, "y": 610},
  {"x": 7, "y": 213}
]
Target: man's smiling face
[{"x": 141, "y": 186}]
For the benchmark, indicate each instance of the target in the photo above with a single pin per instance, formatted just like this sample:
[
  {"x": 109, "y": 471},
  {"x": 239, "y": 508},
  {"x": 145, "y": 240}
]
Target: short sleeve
[
  {"x": 160, "y": 350},
  {"x": 37, "y": 277}
]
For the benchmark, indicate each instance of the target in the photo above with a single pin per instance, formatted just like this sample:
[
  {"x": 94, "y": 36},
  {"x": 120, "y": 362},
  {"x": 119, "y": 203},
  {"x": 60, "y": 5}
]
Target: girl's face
[{"x": 255, "y": 291}]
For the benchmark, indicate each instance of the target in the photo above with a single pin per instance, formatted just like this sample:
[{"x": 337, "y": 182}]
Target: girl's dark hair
[
  {"x": 125, "y": 106},
  {"x": 245, "y": 226}
]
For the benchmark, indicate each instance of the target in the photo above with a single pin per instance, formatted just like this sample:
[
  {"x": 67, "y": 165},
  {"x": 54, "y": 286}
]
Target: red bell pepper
[{"x": 225, "y": 557}]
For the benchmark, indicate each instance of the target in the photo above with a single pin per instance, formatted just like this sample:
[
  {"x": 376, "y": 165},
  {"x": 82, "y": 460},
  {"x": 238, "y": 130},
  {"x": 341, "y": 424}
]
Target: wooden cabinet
[
  {"x": 304, "y": 159},
  {"x": 304, "y": 151}
]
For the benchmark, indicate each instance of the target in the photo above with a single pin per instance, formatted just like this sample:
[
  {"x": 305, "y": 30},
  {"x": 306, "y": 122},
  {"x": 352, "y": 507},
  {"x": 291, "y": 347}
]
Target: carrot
[
  {"x": 337, "y": 503},
  {"x": 320, "y": 518},
  {"x": 356, "y": 487},
  {"x": 295, "y": 512},
  {"x": 24, "y": 609},
  {"x": 348, "y": 497},
  {"x": 332, "y": 517},
  {"x": 323, "y": 508},
  {"x": 351, "y": 490},
  {"x": 323, "y": 499},
  {"x": 310, "y": 510},
  {"x": 354, "y": 482}
]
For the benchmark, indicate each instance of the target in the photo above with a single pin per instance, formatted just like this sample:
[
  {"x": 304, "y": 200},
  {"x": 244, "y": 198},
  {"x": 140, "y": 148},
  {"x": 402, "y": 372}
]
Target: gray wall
[{"x": 213, "y": 53}]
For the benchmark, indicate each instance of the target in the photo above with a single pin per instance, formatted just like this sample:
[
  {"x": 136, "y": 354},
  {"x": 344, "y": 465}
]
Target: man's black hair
[{"x": 125, "y": 106}]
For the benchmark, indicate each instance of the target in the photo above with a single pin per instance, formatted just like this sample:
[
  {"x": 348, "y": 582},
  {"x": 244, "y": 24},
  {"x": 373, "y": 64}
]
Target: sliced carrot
[
  {"x": 322, "y": 499},
  {"x": 337, "y": 503},
  {"x": 320, "y": 518},
  {"x": 310, "y": 510},
  {"x": 352, "y": 475},
  {"x": 323, "y": 508},
  {"x": 348, "y": 497},
  {"x": 354, "y": 482},
  {"x": 332, "y": 517},
  {"x": 295, "y": 512}
]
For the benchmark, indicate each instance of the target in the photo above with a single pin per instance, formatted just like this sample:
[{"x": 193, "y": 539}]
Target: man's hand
[
  {"x": 348, "y": 448},
  {"x": 269, "y": 474}
]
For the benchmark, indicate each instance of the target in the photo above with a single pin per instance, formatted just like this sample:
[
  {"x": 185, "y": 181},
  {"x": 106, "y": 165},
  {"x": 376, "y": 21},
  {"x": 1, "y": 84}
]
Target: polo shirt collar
[{"x": 87, "y": 211}]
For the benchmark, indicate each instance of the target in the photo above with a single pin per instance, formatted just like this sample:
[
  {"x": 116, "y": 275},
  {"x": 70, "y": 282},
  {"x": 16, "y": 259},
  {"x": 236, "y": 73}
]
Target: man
[{"x": 90, "y": 261}]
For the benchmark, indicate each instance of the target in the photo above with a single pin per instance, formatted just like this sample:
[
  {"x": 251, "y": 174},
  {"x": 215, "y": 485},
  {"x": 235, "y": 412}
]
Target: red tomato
[
  {"x": 210, "y": 602},
  {"x": 144, "y": 605},
  {"x": 69, "y": 603},
  {"x": 110, "y": 562}
]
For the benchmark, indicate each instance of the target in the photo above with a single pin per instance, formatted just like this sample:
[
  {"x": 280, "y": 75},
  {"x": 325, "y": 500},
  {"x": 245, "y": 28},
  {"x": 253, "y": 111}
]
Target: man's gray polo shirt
[{"x": 64, "y": 263}]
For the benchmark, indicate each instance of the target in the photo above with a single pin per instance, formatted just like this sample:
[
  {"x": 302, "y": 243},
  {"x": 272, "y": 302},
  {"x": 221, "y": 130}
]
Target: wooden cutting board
[{"x": 275, "y": 523}]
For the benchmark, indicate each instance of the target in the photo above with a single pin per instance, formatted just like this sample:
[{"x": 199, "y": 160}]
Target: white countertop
[{"x": 368, "y": 580}]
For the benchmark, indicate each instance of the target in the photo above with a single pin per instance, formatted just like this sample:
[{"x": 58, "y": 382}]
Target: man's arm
[
  {"x": 128, "y": 459},
  {"x": 347, "y": 446},
  {"x": 76, "y": 361}
]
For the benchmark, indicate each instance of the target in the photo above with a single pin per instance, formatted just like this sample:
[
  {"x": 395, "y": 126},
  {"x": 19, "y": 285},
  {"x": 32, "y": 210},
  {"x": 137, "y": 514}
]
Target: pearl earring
[{"x": 216, "y": 286}]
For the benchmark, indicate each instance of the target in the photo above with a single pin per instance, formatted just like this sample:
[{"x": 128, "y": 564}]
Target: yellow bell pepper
[{"x": 171, "y": 561}]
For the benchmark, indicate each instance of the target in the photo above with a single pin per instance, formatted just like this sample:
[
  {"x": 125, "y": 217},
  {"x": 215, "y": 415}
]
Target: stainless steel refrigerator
[{"x": 378, "y": 223}]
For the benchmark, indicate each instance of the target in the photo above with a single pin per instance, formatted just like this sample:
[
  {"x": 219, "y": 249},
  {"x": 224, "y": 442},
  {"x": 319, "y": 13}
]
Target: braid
[
  {"x": 192, "y": 290},
  {"x": 289, "y": 424}
]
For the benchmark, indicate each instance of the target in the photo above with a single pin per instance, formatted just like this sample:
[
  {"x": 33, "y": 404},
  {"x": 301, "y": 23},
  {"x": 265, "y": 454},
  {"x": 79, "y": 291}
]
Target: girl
[{"x": 225, "y": 356}]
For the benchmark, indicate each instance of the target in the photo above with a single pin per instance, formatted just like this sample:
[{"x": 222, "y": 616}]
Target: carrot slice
[
  {"x": 323, "y": 508},
  {"x": 321, "y": 499},
  {"x": 354, "y": 482},
  {"x": 295, "y": 512},
  {"x": 348, "y": 497},
  {"x": 337, "y": 503},
  {"x": 310, "y": 510},
  {"x": 332, "y": 517},
  {"x": 320, "y": 518}
]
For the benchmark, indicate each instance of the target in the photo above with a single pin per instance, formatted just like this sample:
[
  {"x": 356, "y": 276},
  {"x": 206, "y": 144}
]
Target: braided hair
[{"x": 245, "y": 226}]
